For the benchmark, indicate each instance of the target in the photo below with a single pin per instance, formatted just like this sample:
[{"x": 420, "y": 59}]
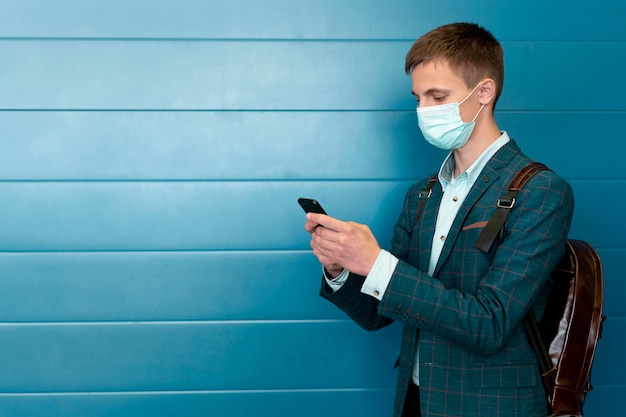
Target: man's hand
[{"x": 335, "y": 242}]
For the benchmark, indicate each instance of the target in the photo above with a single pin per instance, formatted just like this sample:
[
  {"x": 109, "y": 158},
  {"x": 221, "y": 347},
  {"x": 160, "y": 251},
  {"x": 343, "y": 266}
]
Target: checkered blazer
[{"x": 475, "y": 360}]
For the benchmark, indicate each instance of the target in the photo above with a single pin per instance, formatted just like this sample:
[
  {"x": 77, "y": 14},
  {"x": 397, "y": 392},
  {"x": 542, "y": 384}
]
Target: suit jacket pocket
[
  {"x": 477, "y": 225},
  {"x": 503, "y": 375}
]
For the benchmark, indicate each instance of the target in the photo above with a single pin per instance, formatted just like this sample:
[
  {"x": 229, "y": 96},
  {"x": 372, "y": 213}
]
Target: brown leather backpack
[{"x": 565, "y": 340}]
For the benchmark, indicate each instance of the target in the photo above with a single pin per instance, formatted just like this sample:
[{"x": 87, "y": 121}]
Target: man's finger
[{"x": 325, "y": 220}]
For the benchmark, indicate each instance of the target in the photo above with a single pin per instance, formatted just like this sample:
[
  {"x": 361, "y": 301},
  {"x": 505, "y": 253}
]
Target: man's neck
[{"x": 478, "y": 142}]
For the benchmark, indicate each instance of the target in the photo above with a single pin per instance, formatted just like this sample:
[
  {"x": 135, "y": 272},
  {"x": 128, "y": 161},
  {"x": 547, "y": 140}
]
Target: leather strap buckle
[
  {"x": 506, "y": 203},
  {"x": 425, "y": 193}
]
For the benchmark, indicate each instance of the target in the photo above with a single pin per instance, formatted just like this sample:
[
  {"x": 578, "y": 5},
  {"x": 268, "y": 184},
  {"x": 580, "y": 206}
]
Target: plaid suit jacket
[{"x": 474, "y": 358}]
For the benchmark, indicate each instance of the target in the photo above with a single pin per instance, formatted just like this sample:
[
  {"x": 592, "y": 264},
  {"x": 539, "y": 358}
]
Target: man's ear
[{"x": 487, "y": 92}]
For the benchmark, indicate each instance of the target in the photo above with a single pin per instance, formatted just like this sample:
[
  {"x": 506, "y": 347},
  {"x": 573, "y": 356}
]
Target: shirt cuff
[
  {"x": 338, "y": 281},
  {"x": 380, "y": 275}
]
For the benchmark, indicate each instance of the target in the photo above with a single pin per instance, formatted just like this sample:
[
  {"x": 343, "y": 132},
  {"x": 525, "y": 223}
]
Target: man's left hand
[{"x": 349, "y": 244}]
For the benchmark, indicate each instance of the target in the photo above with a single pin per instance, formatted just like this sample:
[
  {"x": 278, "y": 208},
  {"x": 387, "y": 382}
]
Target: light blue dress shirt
[{"x": 454, "y": 192}]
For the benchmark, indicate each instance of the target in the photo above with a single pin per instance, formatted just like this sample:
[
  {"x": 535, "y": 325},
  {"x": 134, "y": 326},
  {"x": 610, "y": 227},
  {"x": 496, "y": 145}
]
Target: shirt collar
[{"x": 470, "y": 174}]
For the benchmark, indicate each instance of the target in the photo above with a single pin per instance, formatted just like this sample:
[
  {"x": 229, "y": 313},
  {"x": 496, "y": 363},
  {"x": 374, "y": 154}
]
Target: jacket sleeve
[{"x": 361, "y": 308}]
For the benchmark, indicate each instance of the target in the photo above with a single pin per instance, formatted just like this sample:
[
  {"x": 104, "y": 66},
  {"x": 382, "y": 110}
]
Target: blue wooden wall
[{"x": 152, "y": 255}]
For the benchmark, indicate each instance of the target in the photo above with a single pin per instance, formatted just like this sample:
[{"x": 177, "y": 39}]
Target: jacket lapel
[
  {"x": 486, "y": 178},
  {"x": 427, "y": 226}
]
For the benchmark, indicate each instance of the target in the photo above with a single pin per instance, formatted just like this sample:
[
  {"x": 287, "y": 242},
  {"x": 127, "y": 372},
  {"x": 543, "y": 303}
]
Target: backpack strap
[
  {"x": 495, "y": 226},
  {"x": 535, "y": 339},
  {"x": 423, "y": 196},
  {"x": 533, "y": 333}
]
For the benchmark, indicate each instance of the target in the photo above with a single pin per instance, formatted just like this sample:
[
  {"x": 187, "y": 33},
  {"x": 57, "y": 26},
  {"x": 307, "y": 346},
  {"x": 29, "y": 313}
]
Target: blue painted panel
[
  {"x": 352, "y": 19},
  {"x": 614, "y": 284},
  {"x": 609, "y": 366},
  {"x": 175, "y": 356},
  {"x": 277, "y": 145},
  {"x": 319, "y": 55},
  {"x": 286, "y": 75},
  {"x": 572, "y": 144},
  {"x": 595, "y": 218},
  {"x": 170, "y": 286},
  {"x": 48, "y": 287},
  {"x": 202, "y": 75},
  {"x": 213, "y": 145},
  {"x": 605, "y": 401},
  {"x": 301, "y": 403},
  {"x": 68, "y": 216},
  {"x": 563, "y": 76}
]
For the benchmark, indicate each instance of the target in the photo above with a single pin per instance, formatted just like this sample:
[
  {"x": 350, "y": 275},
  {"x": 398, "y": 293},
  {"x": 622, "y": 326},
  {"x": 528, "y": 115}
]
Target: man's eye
[{"x": 440, "y": 98}]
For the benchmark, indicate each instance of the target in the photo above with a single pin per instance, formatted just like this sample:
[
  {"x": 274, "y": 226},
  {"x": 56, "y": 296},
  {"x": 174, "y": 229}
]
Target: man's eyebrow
[
  {"x": 433, "y": 92},
  {"x": 436, "y": 91}
]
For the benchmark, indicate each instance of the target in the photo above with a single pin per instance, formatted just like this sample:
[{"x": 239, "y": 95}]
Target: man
[{"x": 464, "y": 351}]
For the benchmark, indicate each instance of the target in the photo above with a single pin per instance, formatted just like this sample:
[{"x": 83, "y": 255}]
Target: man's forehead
[{"x": 434, "y": 77}]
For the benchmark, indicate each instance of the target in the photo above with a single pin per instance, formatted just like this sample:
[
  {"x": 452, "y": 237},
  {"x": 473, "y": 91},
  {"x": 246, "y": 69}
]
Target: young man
[{"x": 463, "y": 352}]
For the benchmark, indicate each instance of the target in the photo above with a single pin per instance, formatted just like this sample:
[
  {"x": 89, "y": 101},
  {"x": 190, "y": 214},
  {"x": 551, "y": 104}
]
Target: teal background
[{"x": 153, "y": 260}]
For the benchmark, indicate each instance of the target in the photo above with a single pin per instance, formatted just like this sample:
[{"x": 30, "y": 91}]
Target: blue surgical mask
[{"x": 442, "y": 125}]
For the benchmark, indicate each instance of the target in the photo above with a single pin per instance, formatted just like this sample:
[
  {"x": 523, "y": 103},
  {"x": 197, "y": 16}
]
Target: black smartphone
[{"x": 310, "y": 205}]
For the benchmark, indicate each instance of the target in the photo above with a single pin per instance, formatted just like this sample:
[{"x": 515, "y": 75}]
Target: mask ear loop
[
  {"x": 468, "y": 96},
  {"x": 481, "y": 109}
]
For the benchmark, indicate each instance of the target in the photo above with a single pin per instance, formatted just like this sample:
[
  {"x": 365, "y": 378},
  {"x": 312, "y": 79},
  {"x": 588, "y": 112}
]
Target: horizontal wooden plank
[
  {"x": 201, "y": 75},
  {"x": 602, "y": 401},
  {"x": 98, "y": 216},
  {"x": 213, "y": 146},
  {"x": 609, "y": 366},
  {"x": 289, "y": 75},
  {"x": 91, "y": 358},
  {"x": 112, "y": 357},
  {"x": 605, "y": 400},
  {"x": 352, "y": 19},
  {"x": 554, "y": 139},
  {"x": 61, "y": 287},
  {"x": 166, "y": 286},
  {"x": 276, "y": 145},
  {"x": 313, "y": 403},
  {"x": 603, "y": 227},
  {"x": 69, "y": 216},
  {"x": 531, "y": 68},
  {"x": 614, "y": 285}
]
